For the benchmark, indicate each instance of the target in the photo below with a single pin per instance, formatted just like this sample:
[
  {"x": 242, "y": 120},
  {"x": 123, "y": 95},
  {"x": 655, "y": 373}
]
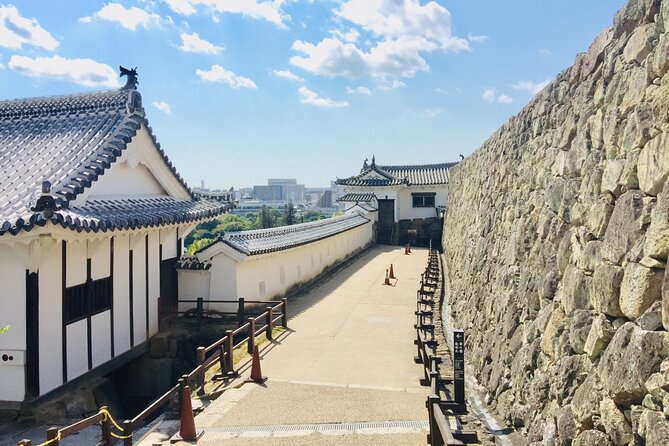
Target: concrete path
[{"x": 344, "y": 372}]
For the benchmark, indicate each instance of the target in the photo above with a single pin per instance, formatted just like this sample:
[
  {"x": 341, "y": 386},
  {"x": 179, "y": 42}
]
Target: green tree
[
  {"x": 311, "y": 215},
  {"x": 265, "y": 217},
  {"x": 289, "y": 214},
  {"x": 198, "y": 244}
]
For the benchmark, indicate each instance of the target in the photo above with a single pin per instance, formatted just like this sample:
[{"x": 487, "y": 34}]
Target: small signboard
[{"x": 459, "y": 366}]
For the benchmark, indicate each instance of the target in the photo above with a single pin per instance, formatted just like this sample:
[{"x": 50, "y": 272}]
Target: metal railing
[
  {"x": 441, "y": 432},
  {"x": 206, "y": 358}
]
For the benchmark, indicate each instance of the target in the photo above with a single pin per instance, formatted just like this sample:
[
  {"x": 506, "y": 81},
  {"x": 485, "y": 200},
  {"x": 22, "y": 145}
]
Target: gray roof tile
[
  {"x": 357, "y": 197},
  {"x": 263, "y": 241},
  {"x": 70, "y": 141},
  {"x": 415, "y": 175}
]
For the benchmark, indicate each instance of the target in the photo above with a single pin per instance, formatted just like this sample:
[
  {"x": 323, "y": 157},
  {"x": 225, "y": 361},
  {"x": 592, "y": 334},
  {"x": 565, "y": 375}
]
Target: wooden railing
[
  {"x": 206, "y": 357},
  {"x": 426, "y": 342}
]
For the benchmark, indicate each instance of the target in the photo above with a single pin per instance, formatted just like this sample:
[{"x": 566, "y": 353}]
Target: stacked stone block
[{"x": 556, "y": 239}]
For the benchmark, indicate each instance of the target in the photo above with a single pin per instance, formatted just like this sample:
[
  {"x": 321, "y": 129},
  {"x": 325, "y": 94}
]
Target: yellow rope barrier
[
  {"x": 50, "y": 441},
  {"x": 108, "y": 417}
]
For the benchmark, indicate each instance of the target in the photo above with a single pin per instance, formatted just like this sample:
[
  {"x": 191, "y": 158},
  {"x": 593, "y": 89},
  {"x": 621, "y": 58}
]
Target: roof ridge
[
  {"x": 418, "y": 166},
  {"x": 106, "y": 100}
]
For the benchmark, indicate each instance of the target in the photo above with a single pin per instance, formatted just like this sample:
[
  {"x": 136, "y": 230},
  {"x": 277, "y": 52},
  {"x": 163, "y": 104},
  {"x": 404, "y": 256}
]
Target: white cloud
[
  {"x": 16, "y": 30},
  {"x": 531, "y": 87},
  {"x": 504, "y": 99},
  {"x": 193, "y": 43},
  {"x": 219, "y": 74},
  {"x": 287, "y": 74},
  {"x": 162, "y": 106},
  {"x": 184, "y": 7},
  {"x": 490, "y": 95},
  {"x": 545, "y": 52},
  {"x": 311, "y": 97},
  {"x": 129, "y": 18},
  {"x": 391, "y": 85},
  {"x": 350, "y": 36},
  {"x": 359, "y": 90},
  {"x": 263, "y": 10},
  {"x": 402, "y": 30},
  {"x": 477, "y": 38},
  {"x": 86, "y": 72}
]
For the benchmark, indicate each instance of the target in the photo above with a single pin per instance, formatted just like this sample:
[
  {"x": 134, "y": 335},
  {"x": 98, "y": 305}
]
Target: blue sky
[{"x": 239, "y": 91}]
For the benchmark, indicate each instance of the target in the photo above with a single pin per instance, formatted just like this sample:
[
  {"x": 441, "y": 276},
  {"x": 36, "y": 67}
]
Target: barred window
[
  {"x": 87, "y": 299},
  {"x": 423, "y": 199}
]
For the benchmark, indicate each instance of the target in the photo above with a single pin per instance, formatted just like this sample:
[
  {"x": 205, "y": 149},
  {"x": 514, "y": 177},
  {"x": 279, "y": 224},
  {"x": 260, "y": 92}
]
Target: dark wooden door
[
  {"x": 386, "y": 211},
  {"x": 169, "y": 287},
  {"x": 385, "y": 229},
  {"x": 32, "y": 335}
]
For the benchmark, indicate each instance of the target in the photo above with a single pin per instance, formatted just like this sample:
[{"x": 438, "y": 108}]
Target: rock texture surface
[{"x": 556, "y": 239}]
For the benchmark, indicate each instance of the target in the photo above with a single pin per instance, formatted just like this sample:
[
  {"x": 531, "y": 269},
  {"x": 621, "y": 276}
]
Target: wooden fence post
[
  {"x": 105, "y": 427},
  {"x": 200, "y": 309},
  {"x": 229, "y": 346},
  {"x": 251, "y": 335},
  {"x": 240, "y": 312},
  {"x": 200, "y": 355},
  {"x": 284, "y": 311},
  {"x": 52, "y": 434},
  {"x": 268, "y": 330},
  {"x": 127, "y": 433}
]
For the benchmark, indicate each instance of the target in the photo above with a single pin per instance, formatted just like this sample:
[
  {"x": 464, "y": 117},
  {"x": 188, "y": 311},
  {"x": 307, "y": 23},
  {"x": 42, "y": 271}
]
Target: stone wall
[{"x": 556, "y": 238}]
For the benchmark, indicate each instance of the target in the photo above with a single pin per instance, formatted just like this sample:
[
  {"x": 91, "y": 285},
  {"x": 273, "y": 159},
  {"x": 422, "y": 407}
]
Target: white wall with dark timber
[
  {"x": 267, "y": 268},
  {"x": 13, "y": 313},
  {"x": 101, "y": 337},
  {"x": 138, "y": 246},
  {"x": 154, "y": 280},
  {"x": 76, "y": 263},
  {"x": 408, "y": 212},
  {"x": 121, "y": 286},
  {"x": 51, "y": 319},
  {"x": 77, "y": 348},
  {"x": 168, "y": 240}
]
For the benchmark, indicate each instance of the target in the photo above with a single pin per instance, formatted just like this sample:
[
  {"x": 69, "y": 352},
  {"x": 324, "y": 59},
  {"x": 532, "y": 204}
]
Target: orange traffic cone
[
  {"x": 387, "y": 281},
  {"x": 409, "y": 247},
  {"x": 187, "y": 430},
  {"x": 406, "y": 249},
  {"x": 392, "y": 273},
  {"x": 256, "y": 374}
]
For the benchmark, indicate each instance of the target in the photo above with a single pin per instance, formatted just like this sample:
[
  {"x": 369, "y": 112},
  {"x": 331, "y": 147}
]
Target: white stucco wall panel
[
  {"x": 121, "y": 302},
  {"x": 13, "y": 297},
  {"x": 408, "y": 212},
  {"x": 168, "y": 239},
  {"x": 139, "y": 291},
  {"x": 77, "y": 349},
  {"x": 223, "y": 284},
  {"x": 12, "y": 302},
  {"x": 76, "y": 263},
  {"x": 192, "y": 284},
  {"x": 98, "y": 252},
  {"x": 154, "y": 280},
  {"x": 101, "y": 338},
  {"x": 267, "y": 269},
  {"x": 50, "y": 319}
]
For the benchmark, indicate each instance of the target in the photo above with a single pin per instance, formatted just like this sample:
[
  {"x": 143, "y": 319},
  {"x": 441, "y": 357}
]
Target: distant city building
[
  {"x": 267, "y": 193},
  {"x": 326, "y": 200},
  {"x": 290, "y": 190}
]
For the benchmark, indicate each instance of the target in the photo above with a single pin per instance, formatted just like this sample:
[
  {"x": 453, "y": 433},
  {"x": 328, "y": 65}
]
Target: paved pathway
[{"x": 344, "y": 373}]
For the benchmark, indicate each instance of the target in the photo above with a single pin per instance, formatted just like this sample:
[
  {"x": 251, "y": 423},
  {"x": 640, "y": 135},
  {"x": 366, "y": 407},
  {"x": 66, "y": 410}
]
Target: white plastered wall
[
  {"x": 408, "y": 212},
  {"x": 12, "y": 313},
  {"x": 296, "y": 264}
]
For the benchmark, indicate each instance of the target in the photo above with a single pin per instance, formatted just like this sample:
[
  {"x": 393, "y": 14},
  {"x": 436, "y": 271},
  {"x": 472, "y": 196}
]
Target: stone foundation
[{"x": 556, "y": 237}]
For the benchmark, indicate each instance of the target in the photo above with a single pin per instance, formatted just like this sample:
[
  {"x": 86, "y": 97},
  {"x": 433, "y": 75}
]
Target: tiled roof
[
  {"x": 418, "y": 175},
  {"x": 193, "y": 263},
  {"x": 69, "y": 141},
  {"x": 263, "y": 241},
  {"x": 358, "y": 197},
  {"x": 134, "y": 213}
]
